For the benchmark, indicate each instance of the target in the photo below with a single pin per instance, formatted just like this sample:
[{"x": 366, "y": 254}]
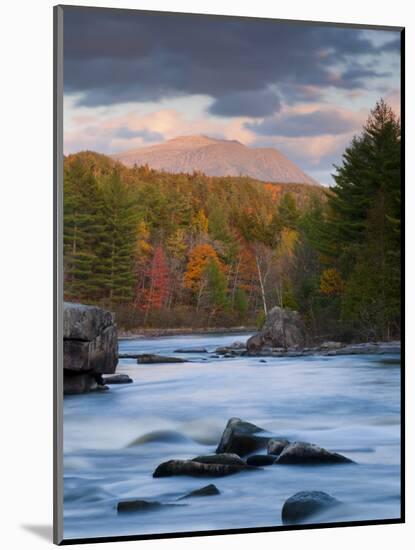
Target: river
[{"x": 348, "y": 404}]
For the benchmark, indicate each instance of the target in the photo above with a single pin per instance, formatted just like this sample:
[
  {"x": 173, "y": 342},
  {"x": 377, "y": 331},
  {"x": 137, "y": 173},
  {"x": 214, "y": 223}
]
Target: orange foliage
[
  {"x": 199, "y": 258},
  {"x": 331, "y": 282}
]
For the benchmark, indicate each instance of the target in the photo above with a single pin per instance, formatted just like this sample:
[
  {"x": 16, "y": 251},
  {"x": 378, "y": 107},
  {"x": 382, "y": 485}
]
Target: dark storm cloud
[
  {"x": 316, "y": 123},
  {"x": 115, "y": 57},
  {"x": 246, "y": 103}
]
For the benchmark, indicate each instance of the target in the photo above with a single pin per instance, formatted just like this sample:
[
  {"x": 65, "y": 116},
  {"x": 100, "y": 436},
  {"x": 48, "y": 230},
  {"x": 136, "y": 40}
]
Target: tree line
[{"x": 174, "y": 250}]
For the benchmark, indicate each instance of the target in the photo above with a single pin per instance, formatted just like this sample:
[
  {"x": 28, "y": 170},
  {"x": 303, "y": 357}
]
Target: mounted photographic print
[{"x": 228, "y": 259}]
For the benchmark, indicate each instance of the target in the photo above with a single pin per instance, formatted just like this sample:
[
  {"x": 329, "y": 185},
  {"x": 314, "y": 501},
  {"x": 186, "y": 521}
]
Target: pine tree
[
  {"x": 116, "y": 241},
  {"x": 363, "y": 227},
  {"x": 81, "y": 226}
]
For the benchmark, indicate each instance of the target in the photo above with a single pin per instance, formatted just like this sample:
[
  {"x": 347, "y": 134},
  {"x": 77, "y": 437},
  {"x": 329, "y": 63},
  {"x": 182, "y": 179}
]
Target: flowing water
[{"x": 348, "y": 404}]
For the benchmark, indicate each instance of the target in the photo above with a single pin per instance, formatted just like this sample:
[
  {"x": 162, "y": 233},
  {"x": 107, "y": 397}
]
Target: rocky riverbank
[{"x": 284, "y": 334}]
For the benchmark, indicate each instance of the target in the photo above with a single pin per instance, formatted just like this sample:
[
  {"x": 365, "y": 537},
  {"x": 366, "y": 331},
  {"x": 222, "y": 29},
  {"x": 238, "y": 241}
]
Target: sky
[{"x": 137, "y": 79}]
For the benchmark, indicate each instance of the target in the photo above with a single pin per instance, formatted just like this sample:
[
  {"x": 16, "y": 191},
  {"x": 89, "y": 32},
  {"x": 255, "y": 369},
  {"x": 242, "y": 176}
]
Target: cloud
[
  {"x": 315, "y": 123},
  {"x": 119, "y": 57},
  {"x": 246, "y": 103},
  {"x": 111, "y": 134},
  {"x": 147, "y": 135}
]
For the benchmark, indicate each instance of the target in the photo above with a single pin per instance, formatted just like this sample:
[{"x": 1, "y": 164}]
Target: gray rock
[
  {"x": 305, "y": 504},
  {"x": 223, "y": 458},
  {"x": 283, "y": 328},
  {"x": 81, "y": 382},
  {"x": 241, "y": 438},
  {"x": 81, "y": 322},
  {"x": 137, "y": 505},
  {"x": 261, "y": 460},
  {"x": 238, "y": 345},
  {"x": 150, "y": 358},
  {"x": 191, "y": 350},
  {"x": 206, "y": 491},
  {"x": 255, "y": 342},
  {"x": 103, "y": 351},
  {"x": 198, "y": 469},
  {"x": 76, "y": 355},
  {"x": 118, "y": 379},
  {"x": 307, "y": 453},
  {"x": 90, "y": 347},
  {"x": 236, "y": 351},
  {"x": 331, "y": 345},
  {"x": 276, "y": 446}
]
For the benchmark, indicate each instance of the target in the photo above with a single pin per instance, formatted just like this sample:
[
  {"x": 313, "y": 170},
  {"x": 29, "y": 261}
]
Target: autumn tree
[
  {"x": 196, "y": 277},
  {"x": 157, "y": 289}
]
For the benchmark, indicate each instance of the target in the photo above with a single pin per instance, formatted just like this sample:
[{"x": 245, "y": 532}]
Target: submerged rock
[
  {"x": 206, "y": 491},
  {"x": 198, "y": 469},
  {"x": 305, "y": 504},
  {"x": 276, "y": 446},
  {"x": 137, "y": 505},
  {"x": 307, "y": 453},
  {"x": 151, "y": 358},
  {"x": 241, "y": 438},
  {"x": 160, "y": 436},
  {"x": 261, "y": 460},
  {"x": 191, "y": 350},
  {"x": 223, "y": 458},
  {"x": 283, "y": 328},
  {"x": 118, "y": 379}
]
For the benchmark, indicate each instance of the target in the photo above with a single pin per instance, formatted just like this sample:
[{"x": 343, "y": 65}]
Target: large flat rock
[
  {"x": 90, "y": 346},
  {"x": 81, "y": 322}
]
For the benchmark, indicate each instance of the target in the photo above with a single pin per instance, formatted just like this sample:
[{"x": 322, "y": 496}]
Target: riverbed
[{"x": 347, "y": 404}]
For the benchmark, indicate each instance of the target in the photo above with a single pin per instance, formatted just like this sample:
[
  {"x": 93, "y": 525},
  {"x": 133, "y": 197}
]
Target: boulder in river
[
  {"x": 137, "y": 505},
  {"x": 198, "y": 469},
  {"x": 90, "y": 347},
  {"x": 261, "y": 460},
  {"x": 283, "y": 328},
  {"x": 206, "y": 491},
  {"x": 223, "y": 458},
  {"x": 276, "y": 446},
  {"x": 307, "y": 453},
  {"x": 151, "y": 358},
  {"x": 118, "y": 379},
  {"x": 305, "y": 504},
  {"x": 241, "y": 438}
]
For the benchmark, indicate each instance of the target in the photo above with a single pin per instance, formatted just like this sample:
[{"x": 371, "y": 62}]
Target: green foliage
[
  {"x": 241, "y": 302},
  {"x": 357, "y": 234},
  {"x": 260, "y": 320},
  {"x": 217, "y": 285}
]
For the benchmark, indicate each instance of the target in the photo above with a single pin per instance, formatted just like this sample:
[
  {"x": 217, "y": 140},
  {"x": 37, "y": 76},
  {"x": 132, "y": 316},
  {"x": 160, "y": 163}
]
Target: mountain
[{"x": 216, "y": 157}]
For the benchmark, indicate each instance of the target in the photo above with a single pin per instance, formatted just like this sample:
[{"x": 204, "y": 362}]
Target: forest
[{"x": 187, "y": 250}]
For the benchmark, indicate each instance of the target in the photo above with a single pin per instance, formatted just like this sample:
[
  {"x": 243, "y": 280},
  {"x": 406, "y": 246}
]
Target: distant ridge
[{"x": 217, "y": 157}]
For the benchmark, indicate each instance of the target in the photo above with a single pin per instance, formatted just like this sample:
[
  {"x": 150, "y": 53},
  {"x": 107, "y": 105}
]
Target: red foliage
[{"x": 158, "y": 277}]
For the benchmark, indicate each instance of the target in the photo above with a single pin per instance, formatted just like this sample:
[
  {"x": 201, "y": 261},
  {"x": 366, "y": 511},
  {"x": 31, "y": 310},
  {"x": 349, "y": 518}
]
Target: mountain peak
[{"x": 216, "y": 157}]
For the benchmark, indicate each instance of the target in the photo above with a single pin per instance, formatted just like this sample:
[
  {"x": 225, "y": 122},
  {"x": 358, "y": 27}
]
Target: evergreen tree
[
  {"x": 363, "y": 228},
  {"x": 81, "y": 199},
  {"x": 116, "y": 241}
]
